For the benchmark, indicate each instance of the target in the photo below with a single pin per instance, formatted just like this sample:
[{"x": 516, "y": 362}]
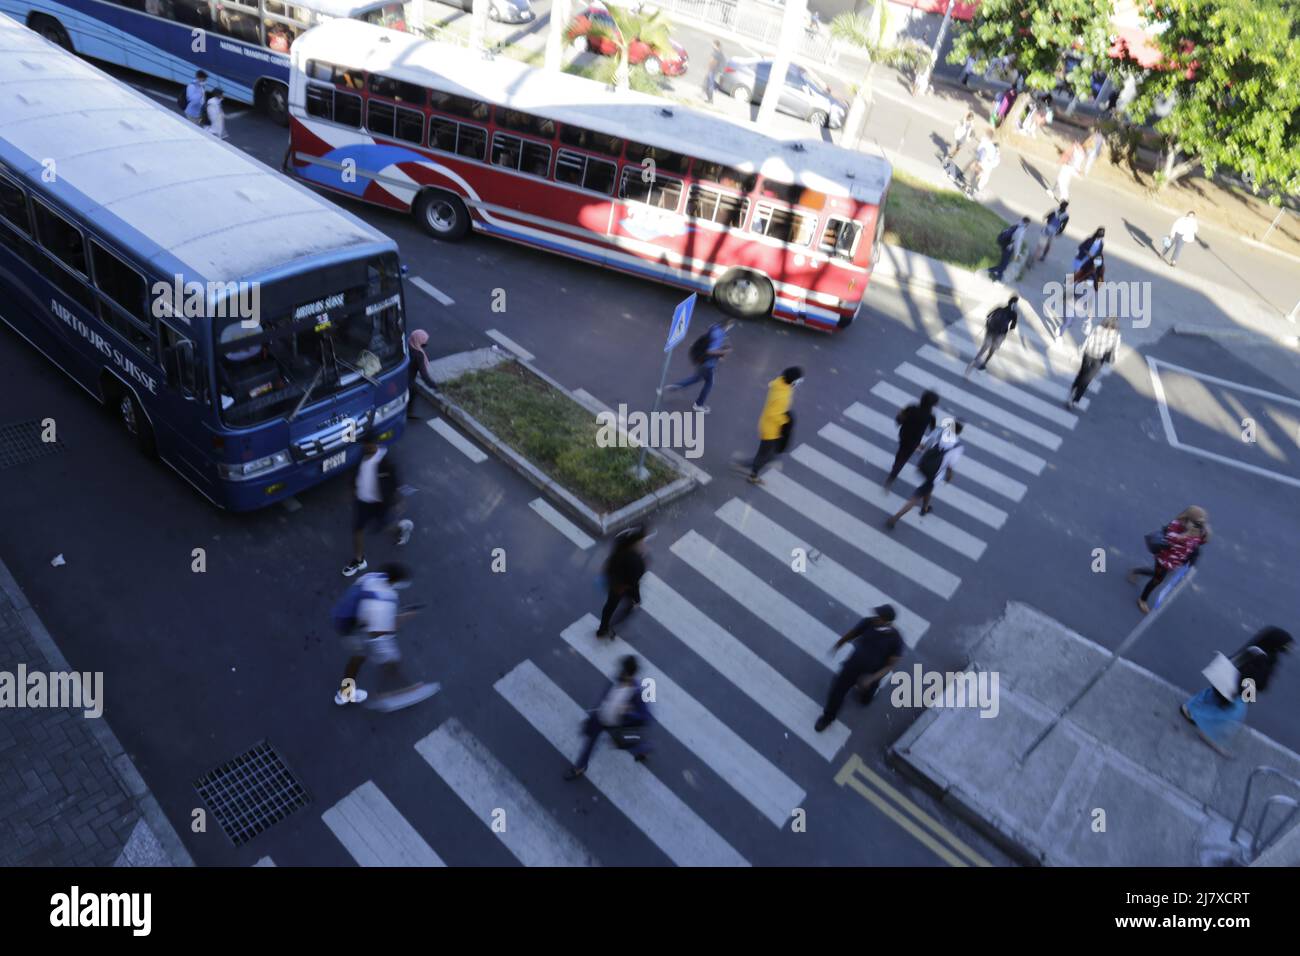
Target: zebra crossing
[{"x": 756, "y": 592}]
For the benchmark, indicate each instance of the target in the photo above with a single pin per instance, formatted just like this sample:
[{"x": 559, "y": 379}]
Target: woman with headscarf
[
  {"x": 1180, "y": 544},
  {"x": 1090, "y": 248},
  {"x": 1218, "y": 716},
  {"x": 419, "y": 367}
]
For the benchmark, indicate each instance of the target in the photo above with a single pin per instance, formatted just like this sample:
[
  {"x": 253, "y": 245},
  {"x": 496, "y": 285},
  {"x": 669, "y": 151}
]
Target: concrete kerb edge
[{"x": 118, "y": 758}]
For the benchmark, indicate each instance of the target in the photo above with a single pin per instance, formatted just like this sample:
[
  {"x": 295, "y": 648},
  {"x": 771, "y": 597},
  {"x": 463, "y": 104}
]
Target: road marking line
[
  {"x": 761, "y": 599},
  {"x": 486, "y": 787},
  {"x": 508, "y": 343},
  {"x": 441, "y": 297},
  {"x": 459, "y": 441},
  {"x": 752, "y": 675},
  {"x": 994, "y": 413},
  {"x": 944, "y": 532},
  {"x": 928, "y": 821},
  {"x": 878, "y": 545},
  {"x": 1030, "y": 403},
  {"x": 594, "y": 404},
  {"x": 749, "y": 773},
  {"x": 374, "y": 831},
  {"x": 1236, "y": 386},
  {"x": 1019, "y": 367},
  {"x": 265, "y": 861},
  {"x": 561, "y": 523},
  {"x": 630, "y": 786},
  {"x": 853, "y": 783},
  {"x": 841, "y": 584},
  {"x": 972, "y": 435},
  {"x": 962, "y": 500}
]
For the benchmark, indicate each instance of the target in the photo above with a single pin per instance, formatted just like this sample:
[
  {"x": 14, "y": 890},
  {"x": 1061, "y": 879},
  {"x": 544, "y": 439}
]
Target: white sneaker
[
  {"x": 702, "y": 409},
  {"x": 358, "y": 696},
  {"x": 404, "y": 529}
]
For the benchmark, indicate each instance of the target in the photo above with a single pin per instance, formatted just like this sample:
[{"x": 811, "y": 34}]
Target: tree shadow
[{"x": 1140, "y": 236}]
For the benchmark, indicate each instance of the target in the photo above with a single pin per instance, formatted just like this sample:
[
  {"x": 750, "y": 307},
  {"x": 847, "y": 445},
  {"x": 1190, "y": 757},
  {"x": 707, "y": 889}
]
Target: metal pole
[
  {"x": 1116, "y": 655},
  {"x": 1273, "y": 225},
  {"x": 640, "y": 470},
  {"x": 922, "y": 85}
]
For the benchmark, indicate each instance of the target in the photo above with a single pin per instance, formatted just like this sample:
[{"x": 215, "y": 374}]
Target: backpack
[
  {"x": 183, "y": 98},
  {"x": 700, "y": 348},
  {"x": 1006, "y": 235},
  {"x": 344, "y": 613},
  {"x": 387, "y": 474},
  {"x": 931, "y": 462}
]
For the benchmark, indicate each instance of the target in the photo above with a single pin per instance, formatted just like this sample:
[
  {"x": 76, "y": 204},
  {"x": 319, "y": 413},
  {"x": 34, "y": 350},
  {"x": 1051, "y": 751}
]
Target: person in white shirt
[
  {"x": 1182, "y": 231},
  {"x": 939, "y": 456},
  {"x": 216, "y": 116},
  {"x": 621, "y": 709},
  {"x": 979, "y": 169},
  {"x": 1099, "y": 348},
  {"x": 375, "y": 639},
  {"x": 960, "y": 134},
  {"x": 375, "y": 491}
]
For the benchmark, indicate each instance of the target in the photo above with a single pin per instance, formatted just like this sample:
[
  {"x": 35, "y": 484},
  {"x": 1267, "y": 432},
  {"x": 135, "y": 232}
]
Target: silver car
[
  {"x": 806, "y": 95},
  {"x": 502, "y": 11}
]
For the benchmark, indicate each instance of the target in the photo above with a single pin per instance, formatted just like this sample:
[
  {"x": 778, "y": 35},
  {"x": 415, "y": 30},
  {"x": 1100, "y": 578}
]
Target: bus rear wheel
[
  {"x": 275, "y": 102},
  {"x": 128, "y": 412},
  {"x": 442, "y": 214},
  {"x": 53, "y": 31},
  {"x": 745, "y": 295}
]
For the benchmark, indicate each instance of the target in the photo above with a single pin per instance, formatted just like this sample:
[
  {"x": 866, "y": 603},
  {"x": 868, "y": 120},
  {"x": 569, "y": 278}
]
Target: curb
[{"x": 118, "y": 758}]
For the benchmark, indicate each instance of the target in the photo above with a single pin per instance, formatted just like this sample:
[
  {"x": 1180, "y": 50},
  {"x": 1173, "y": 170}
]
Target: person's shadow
[
  {"x": 940, "y": 144},
  {"x": 1033, "y": 173},
  {"x": 1140, "y": 237}
]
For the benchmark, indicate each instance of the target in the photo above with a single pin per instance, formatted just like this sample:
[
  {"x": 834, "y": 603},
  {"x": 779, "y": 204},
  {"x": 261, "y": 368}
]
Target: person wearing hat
[
  {"x": 1216, "y": 716},
  {"x": 877, "y": 647}
]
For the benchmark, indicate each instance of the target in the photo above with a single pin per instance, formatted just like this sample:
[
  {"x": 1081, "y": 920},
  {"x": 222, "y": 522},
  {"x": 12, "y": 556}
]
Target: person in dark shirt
[
  {"x": 717, "y": 60},
  {"x": 877, "y": 647},
  {"x": 914, "y": 423},
  {"x": 623, "y": 573},
  {"x": 418, "y": 370},
  {"x": 997, "y": 324}
]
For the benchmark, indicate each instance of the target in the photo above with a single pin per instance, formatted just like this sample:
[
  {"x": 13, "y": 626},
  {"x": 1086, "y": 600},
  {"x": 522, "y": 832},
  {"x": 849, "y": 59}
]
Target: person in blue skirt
[{"x": 1218, "y": 718}]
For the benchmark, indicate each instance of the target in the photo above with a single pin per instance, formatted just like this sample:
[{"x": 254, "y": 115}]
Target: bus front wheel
[
  {"x": 275, "y": 101},
  {"x": 53, "y": 31},
  {"x": 442, "y": 214},
  {"x": 129, "y": 413},
  {"x": 745, "y": 295}
]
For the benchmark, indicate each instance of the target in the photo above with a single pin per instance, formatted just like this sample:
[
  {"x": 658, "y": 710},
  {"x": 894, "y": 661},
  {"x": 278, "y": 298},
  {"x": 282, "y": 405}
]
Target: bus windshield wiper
[
  {"x": 350, "y": 367},
  {"x": 320, "y": 372}
]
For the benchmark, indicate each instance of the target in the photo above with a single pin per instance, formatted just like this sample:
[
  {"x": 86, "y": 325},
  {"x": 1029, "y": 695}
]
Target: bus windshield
[{"x": 320, "y": 333}]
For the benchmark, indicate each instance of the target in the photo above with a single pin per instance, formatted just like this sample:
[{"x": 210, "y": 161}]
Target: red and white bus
[{"x": 632, "y": 182}]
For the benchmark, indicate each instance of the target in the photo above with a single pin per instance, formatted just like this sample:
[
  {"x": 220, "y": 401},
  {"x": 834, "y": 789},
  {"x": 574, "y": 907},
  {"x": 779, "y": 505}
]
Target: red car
[{"x": 591, "y": 30}]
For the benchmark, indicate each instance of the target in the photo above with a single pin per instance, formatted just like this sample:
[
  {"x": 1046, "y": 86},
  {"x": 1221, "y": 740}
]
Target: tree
[
  {"x": 632, "y": 24},
  {"x": 1231, "y": 71},
  {"x": 1037, "y": 34},
  {"x": 857, "y": 30}
]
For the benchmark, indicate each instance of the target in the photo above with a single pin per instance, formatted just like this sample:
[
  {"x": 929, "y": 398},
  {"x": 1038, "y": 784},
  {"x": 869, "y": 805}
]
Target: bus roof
[
  {"x": 811, "y": 163},
  {"x": 165, "y": 188}
]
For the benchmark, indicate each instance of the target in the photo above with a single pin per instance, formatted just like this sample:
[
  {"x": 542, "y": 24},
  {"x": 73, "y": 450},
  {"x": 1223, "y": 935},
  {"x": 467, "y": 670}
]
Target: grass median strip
[
  {"x": 556, "y": 434},
  {"x": 941, "y": 223}
]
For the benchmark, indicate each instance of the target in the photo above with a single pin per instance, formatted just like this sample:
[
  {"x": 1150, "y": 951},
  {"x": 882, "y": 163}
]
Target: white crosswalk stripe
[
  {"x": 1020, "y": 367},
  {"x": 1009, "y": 393},
  {"x": 751, "y": 774},
  {"x": 944, "y": 532},
  {"x": 636, "y": 792},
  {"x": 375, "y": 832},
  {"x": 493, "y": 794},
  {"x": 874, "y": 543},
  {"x": 972, "y": 435},
  {"x": 756, "y": 678},
  {"x": 1059, "y": 361},
  {"x": 963, "y": 501},
  {"x": 964, "y": 399},
  {"x": 832, "y": 578}
]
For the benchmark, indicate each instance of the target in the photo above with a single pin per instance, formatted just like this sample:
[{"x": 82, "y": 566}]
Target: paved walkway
[{"x": 73, "y": 797}]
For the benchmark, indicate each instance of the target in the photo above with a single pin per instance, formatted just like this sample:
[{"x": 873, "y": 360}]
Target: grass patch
[
  {"x": 941, "y": 223},
  {"x": 555, "y": 434}
]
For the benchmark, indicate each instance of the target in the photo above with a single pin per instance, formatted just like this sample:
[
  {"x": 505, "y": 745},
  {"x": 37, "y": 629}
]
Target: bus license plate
[{"x": 333, "y": 461}]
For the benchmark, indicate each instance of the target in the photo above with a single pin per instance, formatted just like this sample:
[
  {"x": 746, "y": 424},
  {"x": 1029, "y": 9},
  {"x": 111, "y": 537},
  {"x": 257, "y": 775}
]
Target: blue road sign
[{"x": 681, "y": 320}]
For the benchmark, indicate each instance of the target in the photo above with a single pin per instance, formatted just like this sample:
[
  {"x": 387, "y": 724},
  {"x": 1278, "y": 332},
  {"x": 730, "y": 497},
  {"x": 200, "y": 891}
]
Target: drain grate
[
  {"x": 20, "y": 443},
  {"x": 251, "y": 793}
]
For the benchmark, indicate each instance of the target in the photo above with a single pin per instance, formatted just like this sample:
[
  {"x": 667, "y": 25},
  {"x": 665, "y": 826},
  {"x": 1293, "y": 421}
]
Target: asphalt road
[{"x": 200, "y": 667}]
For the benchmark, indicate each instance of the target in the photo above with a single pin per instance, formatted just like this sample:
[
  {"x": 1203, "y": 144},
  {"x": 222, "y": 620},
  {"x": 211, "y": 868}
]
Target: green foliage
[
  {"x": 941, "y": 223},
  {"x": 603, "y": 70},
  {"x": 1234, "y": 76}
]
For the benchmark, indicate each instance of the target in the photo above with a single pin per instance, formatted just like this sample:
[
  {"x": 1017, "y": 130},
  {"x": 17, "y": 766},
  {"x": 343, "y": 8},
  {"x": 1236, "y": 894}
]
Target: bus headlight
[
  {"x": 388, "y": 410},
  {"x": 246, "y": 470}
]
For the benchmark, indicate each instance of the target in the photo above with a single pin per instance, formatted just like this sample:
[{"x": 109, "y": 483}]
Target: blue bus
[
  {"x": 243, "y": 45},
  {"x": 239, "y": 326}
]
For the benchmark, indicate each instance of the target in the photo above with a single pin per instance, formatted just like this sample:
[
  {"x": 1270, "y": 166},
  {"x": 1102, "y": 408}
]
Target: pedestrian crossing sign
[{"x": 681, "y": 321}]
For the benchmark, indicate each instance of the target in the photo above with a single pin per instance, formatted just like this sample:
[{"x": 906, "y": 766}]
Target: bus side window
[
  {"x": 122, "y": 300},
  {"x": 840, "y": 238},
  {"x": 181, "y": 363},
  {"x": 15, "y": 226}
]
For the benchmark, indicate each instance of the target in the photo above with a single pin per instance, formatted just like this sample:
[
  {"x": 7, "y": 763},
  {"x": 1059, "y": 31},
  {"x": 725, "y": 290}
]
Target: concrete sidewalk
[
  {"x": 1168, "y": 799},
  {"x": 73, "y": 797}
]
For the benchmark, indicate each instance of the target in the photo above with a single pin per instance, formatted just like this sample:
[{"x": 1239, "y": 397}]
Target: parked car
[
  {"x": 592, "y": 29},
  {"x": 806, "y": 95},
  {"x": 502, "y": 11}
]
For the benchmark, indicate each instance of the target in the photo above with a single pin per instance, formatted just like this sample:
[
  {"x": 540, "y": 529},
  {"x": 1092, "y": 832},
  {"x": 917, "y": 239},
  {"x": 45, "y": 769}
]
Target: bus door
[{"x": 181, "y": 407}]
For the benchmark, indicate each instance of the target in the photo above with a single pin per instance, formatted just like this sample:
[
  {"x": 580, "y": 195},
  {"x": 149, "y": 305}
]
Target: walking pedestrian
[
  {"x": 1003, "y": 105},
  {"x": 1099, "y": 348},
  {"x": 622, "y": 713},
  {"x": 717, "y": 60},
  {"x": 1218, "y": 712},
  {"x": 1053, "y": 225},
  {"x": 417, "y": 369},
  {"x": 1012, "y": 240},
  {"x": 1087, "y": 280},
  {"x": 939, "y": 457},
  {"x": 373, "y": 505},
  {"x": 1176, "y": 544},
  {"x": 1061, "y": 190},
  {"x": 960, "y": 134},
  {"x": 368, "y": 615},
  {"x": 706, "y": 352},
  {"x": 997, "y": 324},
  {"x": 1090, "y": 248},
  {"x": 196, "y": 95},
  {"x": 1182, "y": 231},
  {"x": 914, "y": 423},
  {"x": 877, "y": 647},
  {"x": 978, "y": 170},
  {"x": 1092, "y": 147},
  {"x": 624, "y": 568},
  {"x": 214, "y": 114},
  {"x": 967, "y": 71},
  {"x": 776, "y": 423}
]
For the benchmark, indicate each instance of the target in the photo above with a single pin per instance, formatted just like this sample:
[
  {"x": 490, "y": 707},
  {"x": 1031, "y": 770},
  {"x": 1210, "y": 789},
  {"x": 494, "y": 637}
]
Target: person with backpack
[
  {"x": 624, "y": 569},
  {"x": 914, "y": 423},
  {"x": 1011, "y": 240},
  {"x": 1054, "y": 224},
  {"x": 706, "y": 351},
  {"x": 939, "y": 457},
  {"x": 1087, "y": 285},
  {"x": 622, "y": 713},
  {"x": 367, "y": 617},
  {"x": 1219, "y": 711},
  {"x": 997, "y": 325},
  {"x": 775, "y": 424},
  {"x": 877, "y": 647},
  {"x": 1177, "y": 544},
  {"x": 375, "y": 497},
  {"x": 1089, "y": 249},
  {"x": 194, "y": 98}
]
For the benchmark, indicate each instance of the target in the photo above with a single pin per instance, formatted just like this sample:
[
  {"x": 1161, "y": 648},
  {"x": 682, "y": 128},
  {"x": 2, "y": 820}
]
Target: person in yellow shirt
[{"x": 776, "y": 422}]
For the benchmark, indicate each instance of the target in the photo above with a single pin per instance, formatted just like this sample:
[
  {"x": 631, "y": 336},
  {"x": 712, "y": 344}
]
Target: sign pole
[
  {"x": 676, "y": 332},
  {"x": 641, "y": 472}
]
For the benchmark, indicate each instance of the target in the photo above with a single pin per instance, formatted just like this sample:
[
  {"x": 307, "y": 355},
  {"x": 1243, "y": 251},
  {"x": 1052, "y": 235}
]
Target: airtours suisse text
[{"x": 124, "y": 362}]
